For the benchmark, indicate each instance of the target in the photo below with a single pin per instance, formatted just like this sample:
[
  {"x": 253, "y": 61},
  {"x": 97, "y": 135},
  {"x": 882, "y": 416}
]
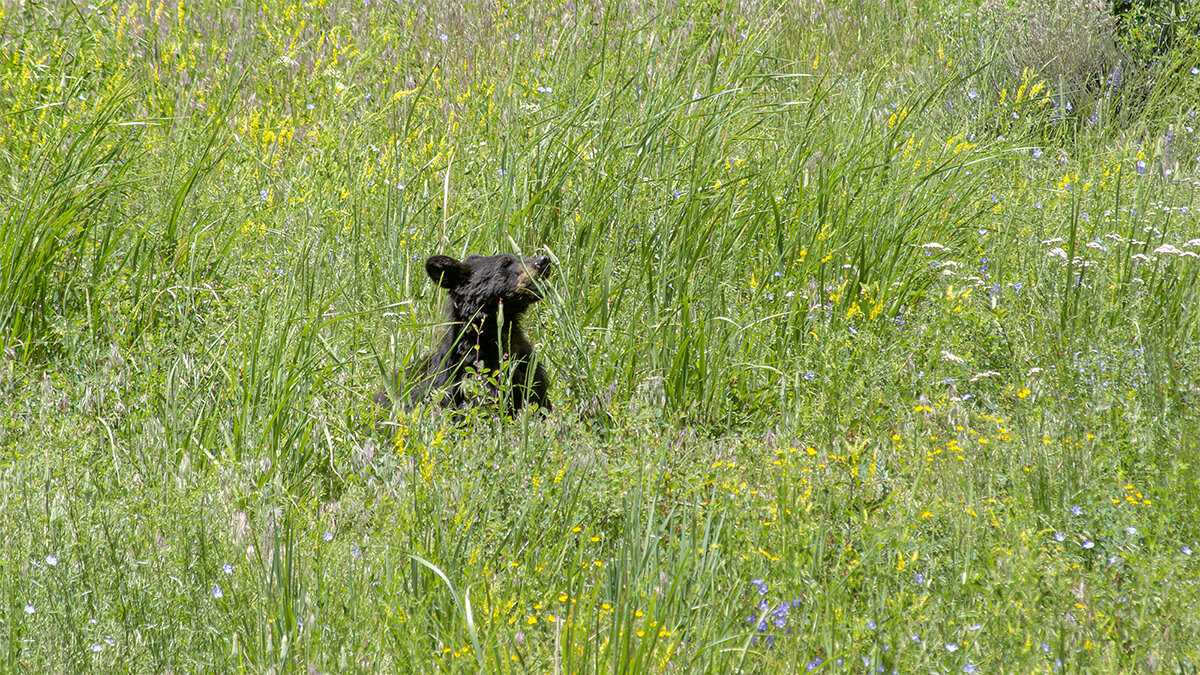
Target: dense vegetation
[{"x": 873, "y": 337}]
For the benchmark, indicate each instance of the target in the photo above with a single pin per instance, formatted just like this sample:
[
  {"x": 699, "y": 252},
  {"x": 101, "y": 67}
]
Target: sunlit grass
[{"x": 866, "y": 351}]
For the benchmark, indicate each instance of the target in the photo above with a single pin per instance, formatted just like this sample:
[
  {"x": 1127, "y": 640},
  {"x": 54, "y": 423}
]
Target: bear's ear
[{"x": 446, "y": 271}]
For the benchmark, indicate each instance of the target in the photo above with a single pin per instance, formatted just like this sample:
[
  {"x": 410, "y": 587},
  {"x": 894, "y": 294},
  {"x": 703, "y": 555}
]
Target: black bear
[{"x": 487, "y": 295}]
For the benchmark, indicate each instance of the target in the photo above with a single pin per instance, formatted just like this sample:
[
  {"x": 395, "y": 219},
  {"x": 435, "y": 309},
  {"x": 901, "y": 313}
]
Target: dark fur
[{"x": 486, "y": 297}]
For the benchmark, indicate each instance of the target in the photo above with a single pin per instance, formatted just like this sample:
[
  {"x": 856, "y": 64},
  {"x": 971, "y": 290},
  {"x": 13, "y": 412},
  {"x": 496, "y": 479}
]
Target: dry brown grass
[{"x": 1068, "y": 44}]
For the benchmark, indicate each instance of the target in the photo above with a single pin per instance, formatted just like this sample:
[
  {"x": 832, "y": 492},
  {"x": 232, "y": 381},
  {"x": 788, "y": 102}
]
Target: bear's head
[{"x": 479, "y": 283}]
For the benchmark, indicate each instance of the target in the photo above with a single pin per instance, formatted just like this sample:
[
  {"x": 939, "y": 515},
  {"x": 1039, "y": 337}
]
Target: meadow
[{"x": 872, "y": 336}]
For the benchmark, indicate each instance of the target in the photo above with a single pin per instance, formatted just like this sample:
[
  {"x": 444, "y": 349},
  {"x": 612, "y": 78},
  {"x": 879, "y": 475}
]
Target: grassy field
[{"x": 873, "y": 335}]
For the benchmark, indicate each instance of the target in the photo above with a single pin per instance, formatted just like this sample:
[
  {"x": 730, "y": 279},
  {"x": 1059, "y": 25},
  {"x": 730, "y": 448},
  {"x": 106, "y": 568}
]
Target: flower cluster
[{"x": 769, "y": 620}]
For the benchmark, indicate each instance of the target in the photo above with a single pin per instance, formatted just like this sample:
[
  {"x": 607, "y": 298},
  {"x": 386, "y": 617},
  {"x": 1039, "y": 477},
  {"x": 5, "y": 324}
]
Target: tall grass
[
  {"x": 866, "y": 353},
  {"x": 58, "y": 250}
]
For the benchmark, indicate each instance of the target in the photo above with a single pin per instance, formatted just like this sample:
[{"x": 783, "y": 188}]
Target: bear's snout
[
  {"x": 535, "y": 269},
  {"x": 541, "y": 265}
]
